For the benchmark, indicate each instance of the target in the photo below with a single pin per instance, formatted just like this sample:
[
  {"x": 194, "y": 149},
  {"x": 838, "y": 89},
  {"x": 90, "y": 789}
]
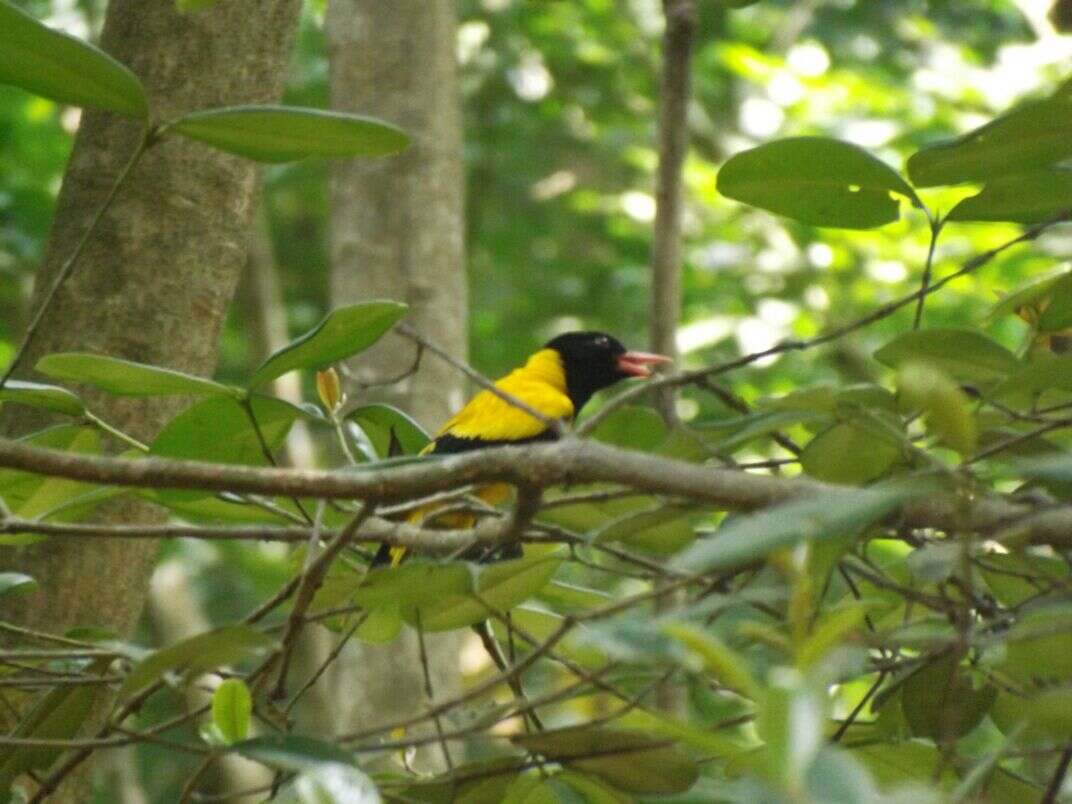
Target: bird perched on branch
[{"x": 557, "y": 381}]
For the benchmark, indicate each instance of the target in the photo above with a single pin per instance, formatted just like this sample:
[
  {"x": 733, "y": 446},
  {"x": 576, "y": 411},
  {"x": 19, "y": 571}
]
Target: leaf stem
[{"x": 936, "y": 224}]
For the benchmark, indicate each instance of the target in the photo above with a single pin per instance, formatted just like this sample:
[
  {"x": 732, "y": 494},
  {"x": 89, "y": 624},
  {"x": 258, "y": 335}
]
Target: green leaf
[
  {"x": 232, "y": 706},
  {"x": 196, "y": 655},
  {"x": 58, "y": 715},
  {"x": 413, "y": 583},
  {"x": 1045, "y": 372},
  {"x": 292, "y": 752},
  {"x": 632, "y": 427},
  {"x": 790, "y": 721},
  {"x": 16, "y": 583},
  {"x": 731, "y": 434},
  {"x": 963, "y": 354},
  {"x": 126, "y": 378},
  {"x": 1034, "y": 294},
  {"x": 1032, "y": 135},
  {"x": 378, "y": 421},
  {"x": 633, "y": 761},
  {"x": 287, "y": 133},
  {"x": 663, "y": 530},
  {"x": 64, "y": 69},
  {"x": 502, "y": 586},
  {"x": 1037, "y": 647},
  {"x": 816, "y": 516},
  {"x": 946, "y": 408},
  {"x": 817, "y": 181},
  {"x": 849, "y": 452},
  {"x": 218, "y": 429},
  {"x": 343, "y": 333},
  {"x": 727, "y": 666},
  {"x": 381, "y": 625},
  {"x": 1023, "y": 198},
  {"x": 47, "y": 397},
  {"x": 938, "y": 700}
]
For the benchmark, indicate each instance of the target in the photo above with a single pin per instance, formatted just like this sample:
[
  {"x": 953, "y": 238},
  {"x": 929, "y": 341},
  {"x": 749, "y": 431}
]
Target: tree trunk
[
  {"x": 397, "y": 232},
  {"x": 155, "y": 281}
]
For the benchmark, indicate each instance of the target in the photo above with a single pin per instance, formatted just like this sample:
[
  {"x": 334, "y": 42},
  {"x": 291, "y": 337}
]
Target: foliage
[{"x": 892, "y": 623}]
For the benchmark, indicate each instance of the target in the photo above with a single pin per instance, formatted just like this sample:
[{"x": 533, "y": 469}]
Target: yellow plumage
[{"x": 540, "y": 383}]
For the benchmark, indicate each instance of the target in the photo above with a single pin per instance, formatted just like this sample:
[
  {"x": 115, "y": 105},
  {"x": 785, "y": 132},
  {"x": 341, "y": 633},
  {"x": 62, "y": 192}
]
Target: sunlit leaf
[
  {"x": 947, "y": 411},
  {"x": 64, "y": 69},
  {"x": 126, "y": 378},
  {"x": 816, "y": 180},
  {"x": 343, "y": 333},
  {"x": 413, "y": 583},
  {"x": 816, "y": 516},
  {"x": 963, "y": 354},
  {"x": 1021, "y": 198},
  {"x": 1033, "y": 135},
  {"x": 284, "y": 134},
  {"x": 232, "y": 706},
  {"x": 16, "y": 583}
]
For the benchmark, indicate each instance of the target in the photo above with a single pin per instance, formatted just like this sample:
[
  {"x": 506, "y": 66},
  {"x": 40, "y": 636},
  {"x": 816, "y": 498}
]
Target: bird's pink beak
[{"x": 635, "y": 364}]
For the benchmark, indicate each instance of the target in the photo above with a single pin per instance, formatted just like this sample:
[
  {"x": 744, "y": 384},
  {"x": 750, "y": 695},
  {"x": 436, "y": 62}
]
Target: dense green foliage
[{"x": 903, "y": 636}]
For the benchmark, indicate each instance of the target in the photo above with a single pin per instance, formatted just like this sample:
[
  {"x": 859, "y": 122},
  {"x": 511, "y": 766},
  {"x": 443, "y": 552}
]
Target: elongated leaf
[
  {"x": 819, "y": 516},
  {"x": 816, "y": 180},
  {"x": 502, "y": 586},
  {"x": 232, "y": 706},
  {"x": 378, "y": 421},
  {"x": 126, "y": 378},
  {"x": 1033, "y": 135},
  {"x": 963, "y": 354},
  {"x": 293, "y": 752},
  {"x": 731, "y": 434},
  {"x": 1034, "y": 295},
  {"x": 947, "y": 409},
  {"x": 286, "y": 133},
  {"x": 16, "y": 583},
  {"x": 413, "y": 583},
  {"x": 219, "y": 429},
  {"x": 38, "y": 395},
  {"x": 633, "y": 761},
  {"x": 64, "y": 69},
  {"x": 663, "y": 530},
  {"x": 343, "y": 333},
  {"x": 196, "y": 655},
  {"x": 1021, "y": 198},
  {"x": 727, "y": 666}
]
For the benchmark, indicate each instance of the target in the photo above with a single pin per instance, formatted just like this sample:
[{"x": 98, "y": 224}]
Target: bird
[{"x": 557, "y": 381}]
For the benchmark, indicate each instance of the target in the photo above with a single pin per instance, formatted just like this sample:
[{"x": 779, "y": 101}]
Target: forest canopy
[{"x": 249, "y": 271}]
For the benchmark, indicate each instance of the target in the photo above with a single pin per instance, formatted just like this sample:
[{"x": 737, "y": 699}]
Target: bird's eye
[{"x": 602, "y": 341}]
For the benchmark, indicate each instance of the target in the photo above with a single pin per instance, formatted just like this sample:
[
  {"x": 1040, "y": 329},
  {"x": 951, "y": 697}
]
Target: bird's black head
[{"x": 594, "y": 361}]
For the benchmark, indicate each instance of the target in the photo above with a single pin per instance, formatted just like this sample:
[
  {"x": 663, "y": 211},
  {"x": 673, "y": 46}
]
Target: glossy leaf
[
  {"x": 817, "y": 181},
  {"x": 963, "y": 354},
  {"x": 232, "y": 707},
  {"x": 1033, "y": 135},
  {"x": 343, "y": 333},
  {"x": 126, "y": 378},
  {"x": 196, "y": 655},
  {"x": 817, "y": 516},
  {"x": 46, "y": 397},
  {"x": 378, "y": 421},
  {"x": 64, "y": 69},
  {"x": 501, "y": 586},
  {"x": 219, "y": 430},
  {"x": 632, "y": 761},
  {"x": 286, "y": 133},
  {"x": 14, "y": 583},
  {"x": 1021, "y": 198}
]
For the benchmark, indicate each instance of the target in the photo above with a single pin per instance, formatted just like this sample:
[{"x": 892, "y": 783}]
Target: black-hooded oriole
[{"x": 557, "y": 381}]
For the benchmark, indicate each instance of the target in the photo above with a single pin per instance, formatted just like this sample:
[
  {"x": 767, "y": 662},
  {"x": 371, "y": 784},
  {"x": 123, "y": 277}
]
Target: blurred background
[{"x": 560, "y": 103}]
